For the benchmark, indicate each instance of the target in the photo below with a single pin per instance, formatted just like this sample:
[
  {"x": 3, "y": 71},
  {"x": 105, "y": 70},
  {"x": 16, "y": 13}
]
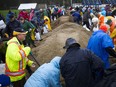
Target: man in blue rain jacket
[{"x": 101, "y": 44}]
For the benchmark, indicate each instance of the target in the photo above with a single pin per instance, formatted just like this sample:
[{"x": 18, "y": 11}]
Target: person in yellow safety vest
[
  {"x": 16, "y": 58},
  {"x": 47, "y": 22}
]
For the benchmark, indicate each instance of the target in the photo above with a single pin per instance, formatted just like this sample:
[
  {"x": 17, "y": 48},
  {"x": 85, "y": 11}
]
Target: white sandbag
[
  {"x": 54, "y": 18},
  {"x": 89, "y": 21},
  {"x": 46, "y": 26},
  {"x": 95, "y": 29},
  {"x": 45, "y": 30},
  {"x": 2, "y": 24},
  {"x": 85, "y": 27},
  {"x": 37, "y": 35},
  {"x": 2, "y": 68}
]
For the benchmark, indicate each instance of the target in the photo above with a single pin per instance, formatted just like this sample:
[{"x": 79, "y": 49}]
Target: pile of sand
[
  {"x": 61, "y": 20},
  {"x": 53, "y": 42}
]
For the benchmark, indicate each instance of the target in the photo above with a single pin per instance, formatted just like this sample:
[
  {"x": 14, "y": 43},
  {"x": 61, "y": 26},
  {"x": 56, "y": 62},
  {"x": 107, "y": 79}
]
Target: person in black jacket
[
  {"x": 109, "y": 78},
  {"x": 12, "y": 25},
  {"x": 80, "y": 67}
]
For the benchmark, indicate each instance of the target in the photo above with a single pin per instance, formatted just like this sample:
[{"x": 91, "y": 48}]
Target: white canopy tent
[{"x": 27, "y": 6}]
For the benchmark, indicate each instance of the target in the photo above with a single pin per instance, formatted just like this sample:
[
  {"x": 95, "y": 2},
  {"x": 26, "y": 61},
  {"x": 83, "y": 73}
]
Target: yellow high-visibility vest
[{"x": 16, "y": 60}]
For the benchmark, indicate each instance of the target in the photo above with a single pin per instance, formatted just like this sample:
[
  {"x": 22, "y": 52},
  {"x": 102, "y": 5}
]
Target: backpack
[{"x": 109, "y": 79}]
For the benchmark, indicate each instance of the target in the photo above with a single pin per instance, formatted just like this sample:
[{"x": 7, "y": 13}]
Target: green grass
[{"x": 4, "y": 12}]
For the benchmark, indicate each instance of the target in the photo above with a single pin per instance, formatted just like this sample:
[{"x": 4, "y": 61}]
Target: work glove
[{"x": 33, "y": 65}]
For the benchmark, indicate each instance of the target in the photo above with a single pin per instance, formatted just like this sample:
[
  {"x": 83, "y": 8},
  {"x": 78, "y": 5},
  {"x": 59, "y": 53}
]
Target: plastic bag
[
  {"x": 45, "y": 30},
  {"x": 2, "y": 24},
  {"x": 2, "y": 68},
  {"x": 85, "y": 27},
  {"x": 37, "y": 35}
]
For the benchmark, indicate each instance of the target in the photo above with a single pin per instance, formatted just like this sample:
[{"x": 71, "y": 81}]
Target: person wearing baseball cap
[
  {"x": 18, "y": 31},
  {"x": 16, "y": 58}
]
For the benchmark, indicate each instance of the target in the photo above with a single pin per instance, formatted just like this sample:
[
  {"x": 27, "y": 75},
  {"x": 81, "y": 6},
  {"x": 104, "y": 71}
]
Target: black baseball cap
[{"x": 19, "y": 31}]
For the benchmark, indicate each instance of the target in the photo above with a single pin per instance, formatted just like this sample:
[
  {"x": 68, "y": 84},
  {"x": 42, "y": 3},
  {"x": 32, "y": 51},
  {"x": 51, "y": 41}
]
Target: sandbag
[
  {"x": 45, "y": 30},
  {"x": 37, "y": 35},
  {"x": 2, "y": 24},
  {"x": 2, "y": 68}
]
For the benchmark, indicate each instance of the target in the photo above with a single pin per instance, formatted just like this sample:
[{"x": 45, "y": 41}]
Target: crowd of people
[
  {"x": 18, "y": 36},
  {"x": 80, "y": 67}
]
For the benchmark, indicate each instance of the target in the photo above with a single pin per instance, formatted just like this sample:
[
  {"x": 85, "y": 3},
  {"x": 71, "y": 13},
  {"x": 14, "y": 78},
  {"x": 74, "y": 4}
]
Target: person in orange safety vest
[{"x": 16, "y": 58}]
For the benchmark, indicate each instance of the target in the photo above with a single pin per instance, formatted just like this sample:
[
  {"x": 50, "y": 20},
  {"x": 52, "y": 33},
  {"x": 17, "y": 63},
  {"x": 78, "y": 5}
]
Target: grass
[{"x": 4, "y": 12}]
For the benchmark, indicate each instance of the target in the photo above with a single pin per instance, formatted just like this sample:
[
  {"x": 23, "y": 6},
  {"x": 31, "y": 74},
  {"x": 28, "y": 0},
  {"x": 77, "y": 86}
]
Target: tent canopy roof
[{"x": 27, "y": 6}]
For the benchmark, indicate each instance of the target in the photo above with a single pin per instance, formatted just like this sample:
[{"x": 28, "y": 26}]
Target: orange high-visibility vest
[{"x": 20, "y": 71}]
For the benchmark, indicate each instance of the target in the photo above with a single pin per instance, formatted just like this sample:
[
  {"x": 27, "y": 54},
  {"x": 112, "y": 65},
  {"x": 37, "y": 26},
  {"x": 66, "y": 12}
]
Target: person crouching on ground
[{"x": 47, "y": 75}]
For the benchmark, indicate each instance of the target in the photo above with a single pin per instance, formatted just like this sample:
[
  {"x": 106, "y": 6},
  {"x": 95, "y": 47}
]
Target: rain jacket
[
  {"x": 101, "y": 20},
  {"x": 47, "y": 23},
  {"x": 16, "y": 59},
  {"x": 103, "y": 11},
  {"x": 113, "y": 28},
  {"x": 98, "y": 42},
  {"x": 11, "y": 26},
  {"x": 31, "y": 34},
  {"x": 31, "y": 14},
  {"x": 78, "y": 67},
  {"x": 47, "y": 75},
  {"x": 77, "y": 16},
  {"x": 23, "y": 14}
]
